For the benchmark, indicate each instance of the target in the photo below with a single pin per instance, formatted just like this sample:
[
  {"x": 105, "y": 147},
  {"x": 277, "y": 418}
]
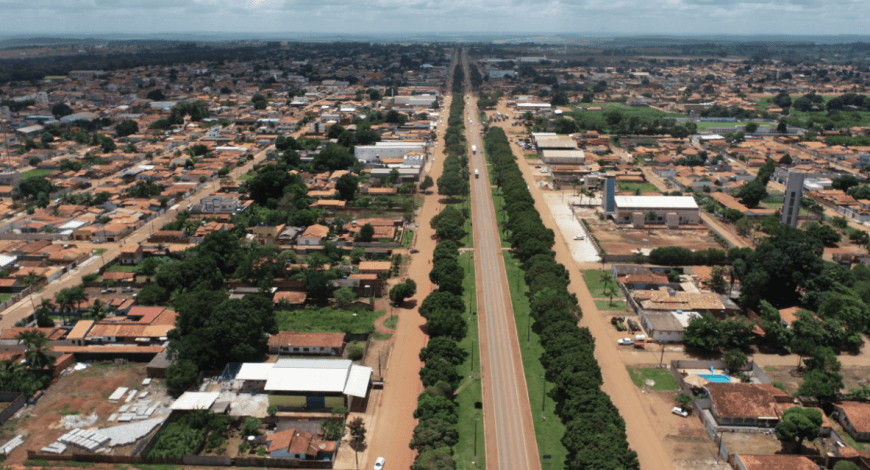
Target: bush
[
  {"x": 251, "y": 427},
  {"x": 355, "y": 352},
  {"x": 93, "y": 277}
]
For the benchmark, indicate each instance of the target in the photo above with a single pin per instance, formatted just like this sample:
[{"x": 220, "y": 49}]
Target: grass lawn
[
  {"x": 632, "y": 187},
  {"x": 593, "y": 282},
  {"x": 662, "y": 377},
  {"x": 704, "y": 125},
  {"x": 246, "y": 177},
  {"x": 391, "y": 322},
  {"x": 532, "y": 156},
  {"x": 604, "y": 305},
  {"x": 500, "y": 217},
  {"x": 5, "y": 297},
  {"x": 470, "y": 391},
  {"x": 549, "y": 431},
  {"x": 37, "y": 172},
  {"x": 121, "y": 268},
  {"x": 100, "y": 251},
  {"x": 777, "y": 205},
  {"x": 326, "y": 320},
  {"x": 408, "y": 239}
]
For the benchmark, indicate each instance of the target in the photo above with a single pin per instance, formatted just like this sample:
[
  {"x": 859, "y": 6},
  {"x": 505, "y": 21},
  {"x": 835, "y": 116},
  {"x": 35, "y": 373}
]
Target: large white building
[{"x": 668, "y": 210}]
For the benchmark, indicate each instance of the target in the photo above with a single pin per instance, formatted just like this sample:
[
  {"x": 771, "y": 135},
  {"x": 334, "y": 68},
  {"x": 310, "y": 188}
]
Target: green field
[
  {"x": 778, "y": 205},
  {"x": 549, "y": 431},
  {"x": 392, "y": 322},
  {"x": 121, "y": 268},
  {"x": 532, "y": 156},
  {"x": 328, "y": 320},
  {"x": 850, "y": 118},
  {"x": 662, "y": 378},
  {"x": 605, "y": 305},
  {"x": 407, "y": 239},
  {"x": 632, "y": 187},
  {"x": 626, "y": 110},
  {"x": 5, "y": 297},
  {"x": 36, "y": 172},
  {"x": 470, "y": 391},
  {"x": 704, "y": 125}
]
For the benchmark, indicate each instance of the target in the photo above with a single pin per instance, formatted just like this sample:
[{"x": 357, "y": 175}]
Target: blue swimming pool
[{"x": 718, "y": 378}]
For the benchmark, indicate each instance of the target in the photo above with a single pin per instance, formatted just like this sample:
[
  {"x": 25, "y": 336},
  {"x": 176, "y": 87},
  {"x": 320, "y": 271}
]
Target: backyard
[
  {"x": 326, "y": 320},
  {"x": 633, "y": 187},
  {"x": 652, "y": 378}
]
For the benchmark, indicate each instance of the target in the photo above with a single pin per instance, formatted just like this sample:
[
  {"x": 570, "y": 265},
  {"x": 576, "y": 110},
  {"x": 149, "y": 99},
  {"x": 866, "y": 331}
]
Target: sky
[{"x": 297, "y": 18}]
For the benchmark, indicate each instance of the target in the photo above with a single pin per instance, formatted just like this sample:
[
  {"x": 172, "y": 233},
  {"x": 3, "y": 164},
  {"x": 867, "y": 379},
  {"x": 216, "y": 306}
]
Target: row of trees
[
  {"x": 595, "y": 432},
  {"x": 453, "y": 181},
  {"x": 444, "y": 311}
]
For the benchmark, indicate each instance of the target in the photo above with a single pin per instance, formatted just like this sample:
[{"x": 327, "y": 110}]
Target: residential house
[
  {"x": 130, "y": 254},
  {"x": 313, "y": 235},
  {"x": 290, "y": 342},
  {"x": 746, "y": 404},
  {"x": 854, "y": 416},
  {"x": 296, "y": 444}
]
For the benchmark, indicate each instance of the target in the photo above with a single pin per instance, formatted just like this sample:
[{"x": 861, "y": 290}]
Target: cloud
[{"x": 468, "y": 16}]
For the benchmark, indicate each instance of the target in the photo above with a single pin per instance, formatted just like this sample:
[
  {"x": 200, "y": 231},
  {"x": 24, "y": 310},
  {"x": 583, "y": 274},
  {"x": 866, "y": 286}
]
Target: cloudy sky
[{"x": 295, "y": 17}]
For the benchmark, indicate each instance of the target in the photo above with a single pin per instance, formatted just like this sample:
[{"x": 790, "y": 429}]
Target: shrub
[
  {"x": 355, "y": 352},
  {"x": 251, "y": 427}
]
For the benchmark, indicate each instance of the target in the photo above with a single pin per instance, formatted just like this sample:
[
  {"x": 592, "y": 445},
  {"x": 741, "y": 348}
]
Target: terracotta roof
[
  {"x": 109, "y": 349},
  {"x": 294, "y": 298},
  {"x": 858, "y": 414},
  {"x": 777, "y": 462},
  {"x": 80, "y": 330},
  {"x": 291, "y": 338},
  {"x": 51, "y": 333},
  {"x": 743, "y": 400},
  {"x": 375, "y": 265},
  {"x": 315, "y": 231}
]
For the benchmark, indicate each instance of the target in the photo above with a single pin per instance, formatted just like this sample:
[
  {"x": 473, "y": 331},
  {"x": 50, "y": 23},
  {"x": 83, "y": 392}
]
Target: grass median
[
  {"x": 470, "y": 391},
  {"x": 548, "y": 428}
]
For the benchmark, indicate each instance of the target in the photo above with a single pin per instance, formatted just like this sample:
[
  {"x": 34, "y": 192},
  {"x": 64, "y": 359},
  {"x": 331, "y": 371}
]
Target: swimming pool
[{"x": 718, "y": 378}]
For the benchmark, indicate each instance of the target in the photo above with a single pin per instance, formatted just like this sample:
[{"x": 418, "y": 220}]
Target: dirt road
[
  {"x": 389, "y": 434},
  {"x": 617, "y": 383},
  {"x": 510, "y": 435}
]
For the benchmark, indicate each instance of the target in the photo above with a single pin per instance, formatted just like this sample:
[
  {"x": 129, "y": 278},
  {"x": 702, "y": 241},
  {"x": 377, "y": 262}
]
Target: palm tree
[
  {"x": 44, "y": 310},
  {"x": 35, "y": 344},
  {"x": 30, "y": 280},
  {"x": 99, "y": 310}
]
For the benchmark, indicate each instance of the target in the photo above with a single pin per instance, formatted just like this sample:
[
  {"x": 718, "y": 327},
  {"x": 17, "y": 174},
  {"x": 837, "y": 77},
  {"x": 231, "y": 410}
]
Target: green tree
[
  {"x": 35, "y": 347},
  {"x": 735, "y": 359},
  {"x": 347, "y": 186},
  {"x": 403, "y": 291},
  {"x": 366, "y": 233},
  {"x": 750, "y": 127},
  {"x": 845, "y": 182},
  {"x": 432, "y": 434},
  {"x": 151, "y": 295},
  {"x": 125, "y": 128},
  {"x": 345, "y": 296},
  {"x": 683, "y": 400},
  {"x": 251, "y": 427},
  {"x": 798, "y": 424},
  {"x": 445, "y": 348},
  {"x": 426, "y": 184}
]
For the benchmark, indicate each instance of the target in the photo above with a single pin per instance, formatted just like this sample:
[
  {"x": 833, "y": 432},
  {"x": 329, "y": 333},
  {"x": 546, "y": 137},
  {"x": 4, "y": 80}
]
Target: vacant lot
[
  {"x": 326, "y": 320},
  {"x": 652, "y": 378},
  {"x": 792, "y": 380},
  {"x": 624, "y": 240},
  {"x": 80, "y": 396},
  {"x": 633, "y": 187}
]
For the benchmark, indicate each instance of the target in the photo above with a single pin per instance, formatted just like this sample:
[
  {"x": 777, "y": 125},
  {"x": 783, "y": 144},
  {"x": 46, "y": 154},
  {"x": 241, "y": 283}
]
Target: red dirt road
[
  {"x": 391, "y": 432},
  {"x": 642, "y": 435}
]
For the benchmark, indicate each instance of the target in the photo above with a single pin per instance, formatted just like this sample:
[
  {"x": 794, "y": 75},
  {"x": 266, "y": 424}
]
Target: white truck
[
  {"x": 476, "y": 174},
  {"x": 474, "y": 149}
]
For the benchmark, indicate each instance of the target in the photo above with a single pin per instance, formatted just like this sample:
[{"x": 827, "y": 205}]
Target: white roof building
[
  {"x": 310, "y": 375},
  {"x": 655, "y": 202},
  {"x": 190, "y": 401}
]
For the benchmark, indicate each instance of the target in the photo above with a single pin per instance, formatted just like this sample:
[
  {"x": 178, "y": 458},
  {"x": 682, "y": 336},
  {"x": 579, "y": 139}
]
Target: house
[
  {"x": 746, "y": 404},
  {"x": 111, "y": 232},
  {"x": 374, "y": 267},
  {"x": 313, "y": 235},
  {"x": 222, "y": 203},
  {"x": 773, "y": 462},
  {"x": 130, "y": 254},
  {"x": 672, "y": 211},
  {"x": 295, "y": 299},
  {"x": 854, "y": 416},
  {"x": 290, "y": 342},
  {"x": 296, "y": 444}
]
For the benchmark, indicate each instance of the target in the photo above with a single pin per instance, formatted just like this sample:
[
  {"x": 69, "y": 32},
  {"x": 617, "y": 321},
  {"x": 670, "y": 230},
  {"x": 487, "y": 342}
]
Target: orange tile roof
[
  {"x": 777, "y": 462},
  {"x": 744, "y": 400},
  {"x": 858, "y": 414},
  {"x": 294, "y": 298},
  {"x": 291, "y": 338}
]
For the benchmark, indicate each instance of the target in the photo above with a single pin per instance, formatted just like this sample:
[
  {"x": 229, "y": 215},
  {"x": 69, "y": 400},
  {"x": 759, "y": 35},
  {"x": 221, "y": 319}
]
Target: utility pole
[{"x": 662, "y": 359}]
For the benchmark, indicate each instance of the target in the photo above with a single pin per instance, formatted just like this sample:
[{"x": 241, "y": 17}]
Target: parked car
[
  {"x": 379, "y": 464},
  {"x": 579, "y": 237},
  {"x": 625, "y": 342},
  {"x": 679, "y": 411},
  {"x": 414, "y": 250}
]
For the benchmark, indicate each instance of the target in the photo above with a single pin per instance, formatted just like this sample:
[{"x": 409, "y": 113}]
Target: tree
[
  {"x": 782, "y": 127},
  {"x": 822, "y": 378},
  {"x": 347, "y": 186},
  {"x": 735, "y": 359},
  {"x": 269, "y": 183},
  {"x": 99, "y": 310},
  {"x": 402, "y": 291},
  {"x": 432, "y": 434},
  {"x": 443, "y": 347},
  {"x": 125, "y": 128},
  {"x": 846, "y": 465},
  {"x": 845, "y": 182},
  {"x": 750, "y": 127},
  {"x": 30, "y": 280},
  {"x": 683, "y": 400},
  {"x": 447, "y": 323},
  {"x": 43, "y": 320},
  {"x": 426, "y": 184},
  {"x": 798, "y": 424},
  {"x": 345, "y": 296},
  {"x": 251, "y": 427},
  {"x": 35, "y": 347},
  {"x": 752, "y": 193},
  {"x": 60, "y": 110},
  {"x": 366, "y": 233},
  {"x": 155, "y": 95},
  {"x": 448, "y": 275},
  {"x": 318, "y": 285},
  {"x": 151, "y": 295},
  {"x": 785, "y": 160},
  {"x": 825, "y": 234}
]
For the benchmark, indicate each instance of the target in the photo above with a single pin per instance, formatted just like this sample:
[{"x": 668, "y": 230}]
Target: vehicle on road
[
  {"x": 679, "y": 411},
  {"x": 625, "y": 341},
  {"x": 476, "y": 174},
  {"x": 474, "y": 149},
  {"x": 414, "y": 250},
  {"x": 579, "y": 237},
  {"x": 379, "y": 464}
]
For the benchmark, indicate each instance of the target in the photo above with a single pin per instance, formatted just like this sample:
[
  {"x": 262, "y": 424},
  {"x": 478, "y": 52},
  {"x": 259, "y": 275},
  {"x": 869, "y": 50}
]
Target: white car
[
  {"x": 625, "y": 342},
  {"x": 579, "y": 237},
  {"x": 679, "y": 411},
  {"x": 379, "y": 464}
]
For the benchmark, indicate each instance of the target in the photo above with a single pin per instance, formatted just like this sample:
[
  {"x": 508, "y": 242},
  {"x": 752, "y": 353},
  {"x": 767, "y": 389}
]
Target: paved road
[
  {"x": 643, "y": 436},
  {"x": 510, "y": 437}
]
